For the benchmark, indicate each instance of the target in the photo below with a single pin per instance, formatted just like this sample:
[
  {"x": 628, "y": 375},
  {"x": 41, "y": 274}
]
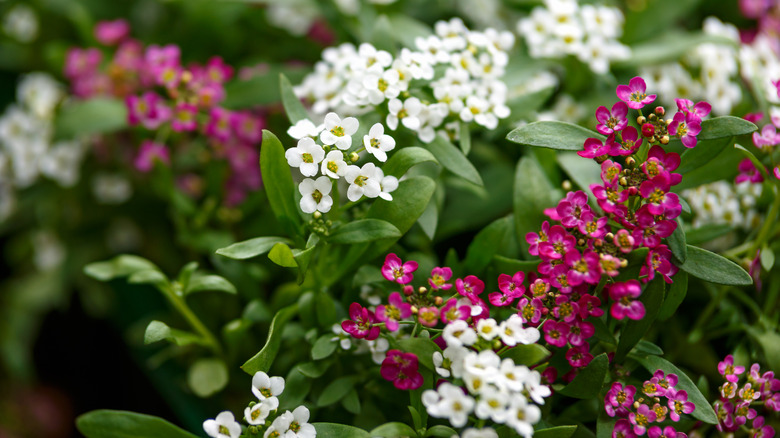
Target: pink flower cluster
[
  {"x": 638, "y": 415},
  {"x": 161, "y": 93},
  {"x": 401, "y": 369},
  {"x": 736, "y": 404},
  {"x": 765, "y": 141}
]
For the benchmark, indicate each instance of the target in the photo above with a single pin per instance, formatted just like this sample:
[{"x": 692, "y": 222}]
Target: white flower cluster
[
  {"x": 721, "y": 202},
  {"x": 717, "y": 64},
  {"x": 26, "y": 149},
  {"x": 563, "y": 27},
  {"x": 498, "y": 390},
  {"x": 331, "y": 159},
  {"x": 293, "y": 424},
  {"x": 21, "y": 23},
  {"x": 760, "y": 65},
  {"x": 466, "y": 84}
]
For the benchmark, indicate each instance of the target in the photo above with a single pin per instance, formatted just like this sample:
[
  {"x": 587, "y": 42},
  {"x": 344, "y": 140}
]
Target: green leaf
[
  {"x": 264, "y": 358},
  {"x": 404, "y": 159},
  {"x": 406, "y": 29},
  {"x": 441, "y": 431},
  {"x": 282, "y": 255},
  {"x": 106, "y": 423},
  {"x": 651, "y": 297},
  {"x": 202, "y": 283},
  {"x": 429, "y": 219},
  {"x": 725, "y": 126},
  {"x": 334, "y": 430},
  {"x": 260, "y": 89},
  {"x": 252, "y": 247},
  {"x": 767, "y": 258},
  {"x": 589, "y": 380},
  {"x": 392, "y": 430},
  {"x": 704, "y": 152},
  {"x": 336, "y": 390},
  {"x": 93, "y": 116},
  {"x": 364, "y": 230},
  {"x": 605, "y": 425},
  {"x": 382, "y": 34},
  {"x": 485, "y": 244},
  {"x": 505, "y": 265},
  {"x": 706, "y": 233},
  {"x": 465, "y": 138},
  {"x": 553, "y": 135},
  {"x": 186, "y": 273},
  {"x": 713, "y": 268},
  {"x": 677, "y": 242},
  {"x": 533, "y": 192},
  {"x": 648, "y": 348},
  {"x": 158, "y": 331},
  {"x": 453, "y": 160},
  {"x": 675, "y": 296},
  {"x": 313, "y": 370},
  {"x": 670, "y": 47},
  {"x": 769, "y": 341},
  {"x": 527, "y": 355},
  {"x": 149, "y": 276},
  {"x": 582, "y": 171},
  {"x": 120, "y": 266},
  {"x": 703, "y": 410},
  {"x": 323, "y": 347},
  {"x": 422, "y": 347},
  {"x": 207, "y": 376},
  {"x": 351, "y": 402},
  {"x": 278, "y": 183},
  {"x": 292, "y": 105},
  {"x": 556, "y": 432}
]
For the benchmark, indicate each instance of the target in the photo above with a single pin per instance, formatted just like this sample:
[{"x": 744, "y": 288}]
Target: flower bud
[
  {"x": 408, "y": 290},
  {"x": 641, "y": 120},
  {"x": 566, "y": 185},
  {"x": 632, "y": 191},
  {"x": 317, "y": 215},
  {"x": 545, "y": 311},
  {"x": 186, "y": 76},
  {"x": 659, "y": 110},
  {"x": 609, "y": 236},
  {"x": 581, "y": 242},
  {"x": 415, "y": 310},
  {"x": 648, "y": 129},
  {"x": 438, "y": 301},
  {"x": 354, "y": 157},
  {"x": 665, "y": 139},
  {"x": 623, "y": 181},
  {"x": 497, "y": 344},
  {"x": 422, "y": 290},
  {"x": 252, "y": 430},
  {"x": 630, "y": 162},
  {"x": 652, "y": 117}
]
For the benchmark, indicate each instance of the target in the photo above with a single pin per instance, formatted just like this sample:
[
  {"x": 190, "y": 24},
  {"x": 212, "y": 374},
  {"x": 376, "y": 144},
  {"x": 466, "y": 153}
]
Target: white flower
[
  {"x": 316, "y": 195},
  {"x": 40, "y": 93},
  {"x": 512, "y": 332},
  {"x": 381, "y": 87},
  {"x": 334, "y": 165},
  {"x": 378, "y": 143},
  {"x": 61, "y": 162},
  {"x": 378, "y": 347},
  {"x": 433, "y": 47},
  {"x": 307, "y": 156},
  {"x": 487, "y": 328},
  {"x": 448, "y": 402},
  {"x": 458, "y": 333},
  {"x": 264, "y": 387},
  {"x": 387, "y": 184},
  {"x": 492, "y": 404},
  {"x": 280, "y": 426},
  {"x": 304, "y": 128},
  {"x": 537, "y": 391},
  {"x": 224, "y": 426},
  {"x": 299, "y": 426},
  {"x": 362, "y": 181},
  {"x": 486, "y": 432},
  {"x": 21, "y": 23},
  {"x": 512, "y": 377},
  {"x": 522, "y": 416},
  {"x": 342, "y": 337},
  {"x": 484, "y": 364},
  {"x": 406, "y": 112},
  {"x": 419, "y": 64},
  {"x": 339, "y": 132},
  {"x": 450, "y": 361},
  {"x": 257, "y": 414},
  {"x": 370, "y": 59},
  {"x": 111, "y": 188}
]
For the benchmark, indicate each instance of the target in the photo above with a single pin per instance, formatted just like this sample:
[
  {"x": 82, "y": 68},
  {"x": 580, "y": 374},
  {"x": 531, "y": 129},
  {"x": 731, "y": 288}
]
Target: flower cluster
[
  {"x": 722, "y": 202},
  {"x": 459, "y": 67},
  {"x": 766, "y": 141},
  {"x": 332, "y": 159},
  {"x": 163, "y": 95},
  {"x": 27, "y": 149},
  {"x": 758, "y": 53},
  {"x": 261, "y": 416},
  {"x": 737, "y": 404},
  {"x": 563, "y": 27},
  {"x": 638, "y": 415}
]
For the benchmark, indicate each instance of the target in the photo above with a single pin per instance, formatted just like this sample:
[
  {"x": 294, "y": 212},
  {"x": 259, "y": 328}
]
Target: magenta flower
[
  {"x": 157, "y": 56},
  {"x": 564, "y": 309},
  {"x": 777, "y": 172},
  {"x": 439, "y": 278},
  {"x": 558, "y": 243},
  {"x": 696, "y": 111},
  {"x": 678, "y": 404},
  {"x": 624, "y": 241},
  {"x": 635, "y": 93},
  {"x": 748, "y": 172},
  {"x": 167, "y": 75},
  {"x": 666, "y": 432},
  {"x": 641, "y": 419},
  {"x": 649, "y": 231},
  {"x": 754, "y": 8},
  {"x": 655, "y": 191},
  {"x": 611, "y": 121},
  {"x": 589, "y": 305},
  {"x": 580, "y": 356},
  {"x": 686, "y": 128},
  {"x": 512, "y": 286},
  {"x": 217, "y": 71},
  {"x": 218, "y": 126},
  {"x": 626, "y": 305},
  {"x": 760, "y": 430},
  {"x": 767, "y": 138},
  {"x": 610, "y": 171},
  {"x": 743, "y": 412},
  {"x": 500, "y": 299},
  {"x": 610, "y": 265},
  {"x": 148, "y": 110},
  {"x": 623, "y": 429},
  {"x": 361, "y": 324},
  {"x": 593, "y": 148},
  {"x": 555, "y": 333},
  {"x": 579, "y": 332},
  {"x": 82, "y": 62},
  {"x": 628, "y": 144},
  {"x": 535, "y": 239},
  {"x": 401, "y": 369},
  {"x": 247, "y": 127},
  {"x": 428, "y": 316},
  {"x": 658, "y": 260},
  {"x": 610, "y": 198},
  {"x": 150, "y": 153},
  {"x": 451, "y": 311},
  {"x": 570, "y": 209},
  {"x": 470, "y": 287},
  {"x": 539, "y": 288},
  {"x": 530, "y": 310},
  {"x": 184, "y": 118},
  {"x": 559, "y": 278},
  {"x": 727, "y": 369},
  {"x": 592, "y": 226},
  {"x": 584, "y": 268},
  {"x": 394, "y": 311},
  {"x": 395, "y": 270},
  {"x": 619, "y": 400},
  {"x": 110, "y": 33},
  {"x": 659, "y": 161},
  {"x": 748, "y": 393}
]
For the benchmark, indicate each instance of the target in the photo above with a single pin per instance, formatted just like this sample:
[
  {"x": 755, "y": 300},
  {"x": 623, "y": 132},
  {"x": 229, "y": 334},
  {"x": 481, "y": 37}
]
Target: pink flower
[
  {"x": 748, "y": 172},
  {"x": 395, "y": 270},
  {"x": 626, "y": 305},
  {"x": 593, "y": 148},
  {"x": 451, "y": 311},
  {"x": 530, "y": 310},
  {"x": 635, "y": 93},
  {"x": 610, "y": 265},
  {"x": 761, "y": 430},
  {"x": 439, "y": 278},
  {"x": 658, "y": 260},
  {"x": 615, "y": 120},
  {"x": 589, "y": 305},
  {"x": 210, "y": 95},
  {"x": 564, "y": 309},
  {"x": 628, "y": 144},
  {"x": 623, "y": 429},
  {"x": 247, "y": 127},
  {"x": 659, "y": 201},
  {"x": 428, "y": 316},
  {"x": 666, "y": 432},
  {"x": 217, "y": 71},
  {"x": 401, "y": 369},
  {"x": 469, "y": 287},
  {"x": 157, "y": 56},
  {"x": 619, "y": 400},
  {"x": 558, "y": 243},
  {"x": 150, "y": 153},
  {"x": 777, "y": 172},
  {"x": 394, "y": 311},
  {"x": 624, "y": 241},
  {"x": 218, "y": 126},
  {"x": 110, "y": 33},
  {"x": 82, "y": 62},
  {"x": 699, "y": 110},
  {"x": 584, "y": 268},
  {"x": 610, "y": 198},
  {"x": 361, "y": 324},
  {"x": 649, "y": 231},
  {"x": 610, "y": 171},
  {"x": 592, "y": 226},
  {"x": 767, "y": 138},
  {"x": 184, "y": 118},
  {"x": 535, "y": 239},
  {"x": 570, "y": 209},
  {"x": 686, "y": 128},
  {"x": 579, "y": 357},
  {"x": 148, "y": 110},
  {"x": 678, "y": 404},
  {"x": 641, "y": 419},
  {"x": 658, "y": 161},
  {"x": 167, "y": 75},
  {"x": 555, "y": 333},
  {"x": 727, "y": 369},
  {"x": 579, "y": 331}
]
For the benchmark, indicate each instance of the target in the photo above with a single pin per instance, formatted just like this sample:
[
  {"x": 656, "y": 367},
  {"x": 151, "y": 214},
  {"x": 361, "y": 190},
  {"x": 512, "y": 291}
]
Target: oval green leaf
[
  {"x": 527, "y": 355},
  {"x": 107, "y": 423},
  {"x": 713, "y": 268},
  {"x": 553, "y": 135},
  {"x": 453, "y": 159},
  {"x": 202, "y": 283},
  {"x": 422, "y": 347},
  {"x": 589, "y": 380},
  {"x": 282, "y": 255},
  {"x": 725, "y": 126},
  {"x": 278, "y": 183},
  {"x": 292, "y": 105},
  {"x": 265, "y": 357},
  {"x": 323, "y": 347},
  {"x": 392, "y": 430},
  {"x": 207, "y": 376},
  {"x": 406, "y": 158},
  {"x": 675, "y": 296},
  {"x": 94, "y": 116},
  {"x": 334, "y": 430},
  {"x": 556, "y": 432},
  {"x": 251, "y": 248},
  {"x": 120, "y": 266},
  {"x": 336, "y": 390},
  {"x": 364, "y": 230}
]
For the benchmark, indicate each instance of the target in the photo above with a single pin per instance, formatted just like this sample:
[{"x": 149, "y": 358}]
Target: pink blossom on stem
[
  {"x": 534, "y": 239},
  {"x": 395, "y": 270},
  {"x": 579, "y": 357},
  {"x": 394, "y": 311},
  {"x": 555, "y": 333},
  {"x": 679, "y": 404},
  {"x": 619, "y": 400},
  {"x": 451, "y": 311},
  {"x": 635, "y": 93},
  {"x": 110, "y": 33},
  {"x": 727, "y": 369},
  {"x": 428, "y": 316},
  {"x": 401, "y": 369},
  {"x": 611, "y": 121},
  {"x": 469, "y": 287},
  {"x": 593, "y": 148},
  {"x": 439, "y": 278},
  {"x": 623, "y": 429},
  {"x": 150, "y": 153},
  {"x": 686, "y": 128},
  {"x": 361, "y": 324},
  {"x": 184, "y": 118},
  {"x": 625, "y": 304},
  {"x": 748, "y": 172},
  {"x": 641, "y": 419}
]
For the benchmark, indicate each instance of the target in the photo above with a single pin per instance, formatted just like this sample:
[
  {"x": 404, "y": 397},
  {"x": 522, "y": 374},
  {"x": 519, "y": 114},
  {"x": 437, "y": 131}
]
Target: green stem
[
  {"x": 695, "y": 333},
  {"x": 181, "y": 306},
  {"x": 769, "y": 221}
]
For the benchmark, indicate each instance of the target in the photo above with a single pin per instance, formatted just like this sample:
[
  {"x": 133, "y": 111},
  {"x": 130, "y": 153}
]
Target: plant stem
[
  {"x": 181, "y": 306},
  {"x": 769, "y": 221}
]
